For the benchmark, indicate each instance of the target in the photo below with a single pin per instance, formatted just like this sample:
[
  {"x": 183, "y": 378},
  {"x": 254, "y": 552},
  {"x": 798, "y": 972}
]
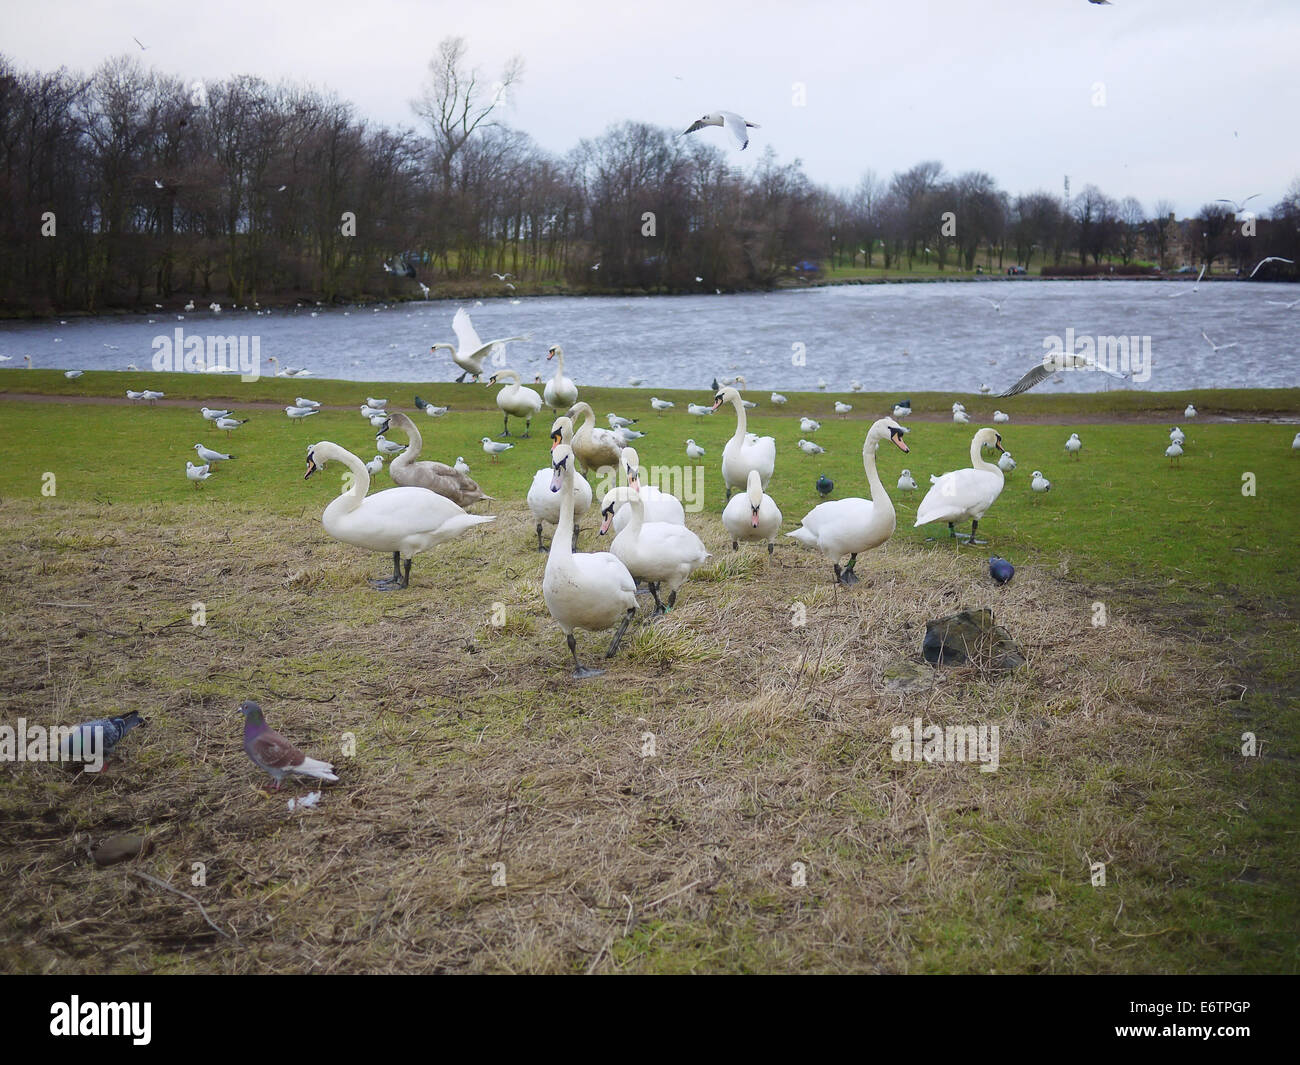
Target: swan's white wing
[
  {"x": 467, "y": 341},
  {"x": 1035, "y": 376},
  {"x": 1200, "y": 275},
  {"x": 736, "y": 126}
]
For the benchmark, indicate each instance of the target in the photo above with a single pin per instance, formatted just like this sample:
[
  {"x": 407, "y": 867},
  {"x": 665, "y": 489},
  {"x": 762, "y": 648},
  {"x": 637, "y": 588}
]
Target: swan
[
  {"x": 752, "y": 516},
  {"x": 660, "y": 553},
  {"x": 850, "y": 526},
  {"x": 744, "y": 451},
  {"x": 1040, "y": 483},
  {"x": 964, "y": 495},
  {"x": 545, "y": 504},
  {"x": 516, "y": 399},
  {"x": 435, "y": 476},
  {"x": 1074, "y": 445},
  {"x": 656, "y": 505},
  {"x": 406, "y": 521},
  {"x": 469, "y": 351},
  {"x": 560, "y": 391},
  {"x": 594, "y": 448},
  {"x": 583, "y": 591}
]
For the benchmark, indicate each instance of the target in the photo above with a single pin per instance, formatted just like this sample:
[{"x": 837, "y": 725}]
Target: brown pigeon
[{"x": 268, "y": 749}]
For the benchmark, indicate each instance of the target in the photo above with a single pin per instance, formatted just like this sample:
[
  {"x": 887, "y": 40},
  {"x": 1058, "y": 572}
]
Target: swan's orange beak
[
  {"x": 754, "y": 517},
  {"x": 311, "y": 467},
  {"x": 607, "y": 519}
]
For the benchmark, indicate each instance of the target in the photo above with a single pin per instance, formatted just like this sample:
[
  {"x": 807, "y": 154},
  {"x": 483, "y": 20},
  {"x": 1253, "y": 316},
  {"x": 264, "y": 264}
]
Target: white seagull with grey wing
[{"x": 728, "y": 120}]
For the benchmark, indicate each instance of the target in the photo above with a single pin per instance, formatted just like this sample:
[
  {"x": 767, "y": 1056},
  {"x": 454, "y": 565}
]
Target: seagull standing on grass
[
  {"x": 209, "y": 456},
  {"x": 1074, "y": 445},
  {"x": 197, "y": 474},
  {"x": 230, "y": 424},
  {"x": 494, "y": 448},
  {"x": 730, "y": 121},
  {"x": 298, "y": 413}
]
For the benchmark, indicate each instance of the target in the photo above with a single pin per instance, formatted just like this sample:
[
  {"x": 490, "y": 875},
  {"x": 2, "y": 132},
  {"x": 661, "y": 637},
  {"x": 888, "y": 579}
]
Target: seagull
[
  {"x": 809, "y": 448},
  {"x": 461, "y": 466},
  {"x": 1271, "y": 259},
  {"x": 470, "y": 349},
  {"x": 961, "y": 417},
  {"x": 995, "y": 304},
  {"x": 189, "y": 306},
  {"x": 693, "y": 450},
  {"x": 209, "y": 456},
  {"x": 298, "y": 412},
  {"x": 134, "y": 395},
  {"x": 302, "y": 401},
  {"x": 215, "y": 308},
  {"x": 72, "y": 375},
  {"x": 150, "y": 395},
  {"x": 625, "y": 437},
  {"x": 494, "y": 447},
  {"x": 1006, "y": 463},
  {"x": 1054, "y": 362},
  {"x": 1217, "y": 347},
  {"x": 778, "y": 399},
  {"x": 617, "y": 422},
  {"x": 999, "y": 568},
  {"x": 375, "y": 465},
  {"x": 902, "y": 412},
  {"x": 1040, "y": 483},
  {"x": 230, "y": 424},
  {"x": 1175, "y": 295},
  {"x": 698, "y": 409},
  {"x": 137, "y": 41},
  {"x": 999, "y": 416},
  {"x": 372, "y": 402},
  {"x": 197, "y": 474},
  {"x": 1074, "y": 445},
  {"x": 1177, "y": 436},
  {"x": 807, "y": 425},
  {"x": 730, "y": 121},
  {"x": 430, "y": 409},
  {"x": 1189, "y": 412},
  {"x": 1238, "y": 208},
  {"x": 1173, "y": 452},
  {"x": 1288, "y": 306},
  {"x": 634, "y": 381},
  {"x": 905, "y": 482},
  {"x": 268, "y": 750},
  {"x": 503, "y": 277},
  {"x": 825, "y": 486},
  {"x": 661, "y": 405},
  {"x": 425, "y": 289},
  {"x": 842, "y": 408},
  {"x": 855, "y": 386},
  {"x": 388, "y": 447},
  {"x": 210, "y": 415}
]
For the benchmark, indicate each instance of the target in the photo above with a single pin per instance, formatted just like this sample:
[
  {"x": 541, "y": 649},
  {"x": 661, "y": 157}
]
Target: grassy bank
[{"x": 1120, "y": 742}]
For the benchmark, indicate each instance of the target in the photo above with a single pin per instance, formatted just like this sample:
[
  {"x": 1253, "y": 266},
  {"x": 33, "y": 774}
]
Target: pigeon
[
  {"x": 1001, "y": 570},
  {"x": 81, "y": 745},
  {"x": 1040, "y": 483},
  {"x": 906, "y": 483},
  {"x": 730, "y": 121},
  {"x": 272, "y": 752},
  {"x": 1006, "y": 463},
  {"x": 210, "y": 456},
  {"x": 693, "y": 450},
  {"x": 1074, "y": 445},
  {"x": 825, "y": 486},
  {"x": 809, "y": 448},
  {"x": 494, "y": 447},
  {"x": 197, "y": 474}
]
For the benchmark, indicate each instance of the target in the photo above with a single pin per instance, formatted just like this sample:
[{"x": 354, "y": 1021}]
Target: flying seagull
[
  {"x": 1217, "y": 347},
  {"x": 730, "y": 121},
  {"x": 1238, "y": 208},
  {"x": 137, "y": 41},
  {"x": 1271, "y": 259},
  {"x": 1175, "y": 295},
  {"x": 1055, "y": 362}
]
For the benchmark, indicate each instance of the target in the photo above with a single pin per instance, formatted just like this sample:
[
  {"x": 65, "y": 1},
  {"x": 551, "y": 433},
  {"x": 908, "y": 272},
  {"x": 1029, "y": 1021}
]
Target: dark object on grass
[
  {"x": 1001, "y": 570},
  {"x": 82, "y": 745},
  {"x": 970, "y": 636},
  {"x": 121, "y": 849},
  {"x": 825, "y": 486}
]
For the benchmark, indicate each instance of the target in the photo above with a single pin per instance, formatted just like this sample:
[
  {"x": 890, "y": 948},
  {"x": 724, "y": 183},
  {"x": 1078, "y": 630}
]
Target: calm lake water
[{"x": 904, "y": 337}]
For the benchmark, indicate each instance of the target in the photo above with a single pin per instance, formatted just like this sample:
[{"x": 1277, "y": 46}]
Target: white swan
[
  {"x": 744, "y": 451},
  {"x": 583, "y": 591},
  {"x": 656, "y": 505},
  {"x": 469, "y": 351},
  {"x": 406, "y": 521},
  {"x": 850, "y": 526},
  {"x": 560, "y": 392},
  {"x": 546, "y": 504},
  {"x": 660, "y": 553},
  {"x": 593, "y": 447},
  {"x": 965, "y": 495},
  {"x": 516, "y": 399},
  {"x": 752, "y": 516}
]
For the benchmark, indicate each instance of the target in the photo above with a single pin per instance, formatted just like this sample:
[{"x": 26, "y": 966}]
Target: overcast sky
[{"x": 1200, "y": 98}]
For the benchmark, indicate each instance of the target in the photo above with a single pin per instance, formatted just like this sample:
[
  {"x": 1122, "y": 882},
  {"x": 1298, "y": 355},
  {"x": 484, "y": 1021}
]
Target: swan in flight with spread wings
[{"x": 470, "y": 350}]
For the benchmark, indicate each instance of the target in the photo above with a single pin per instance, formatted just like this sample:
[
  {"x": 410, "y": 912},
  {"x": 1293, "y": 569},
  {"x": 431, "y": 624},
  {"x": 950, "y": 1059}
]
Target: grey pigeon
[
  {"x": 81, "y": 745},
  {"x": 1001, "y": 570},
  {"x": 272, "y": 752}
]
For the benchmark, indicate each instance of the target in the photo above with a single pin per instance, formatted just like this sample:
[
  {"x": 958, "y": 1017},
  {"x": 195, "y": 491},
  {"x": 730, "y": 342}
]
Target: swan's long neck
[
  {"x": 560, "y": 542},
  {"x": 559, "y": 364},
  {"x": 879, "y": 497},
  {"x": 634, "y": 524},
  {"x": 414, "y": 442},
  {"x": 588, "y": 420},
  {"x": 978, "y": 461},
  {"x": 354, "y": 496},
  {"x": 742, "y": 423}
]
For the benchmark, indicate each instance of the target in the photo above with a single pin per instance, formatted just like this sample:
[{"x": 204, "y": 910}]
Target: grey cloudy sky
[{"x": 1201, "y": 97}]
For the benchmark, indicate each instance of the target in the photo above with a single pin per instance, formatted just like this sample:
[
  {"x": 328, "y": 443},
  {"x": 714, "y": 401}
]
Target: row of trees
[{"x": 128, "y": 186}]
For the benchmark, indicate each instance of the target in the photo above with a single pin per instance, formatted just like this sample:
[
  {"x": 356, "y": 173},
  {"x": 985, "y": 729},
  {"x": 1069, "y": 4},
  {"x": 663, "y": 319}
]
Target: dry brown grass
[{"x": 474, "y": 747}]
